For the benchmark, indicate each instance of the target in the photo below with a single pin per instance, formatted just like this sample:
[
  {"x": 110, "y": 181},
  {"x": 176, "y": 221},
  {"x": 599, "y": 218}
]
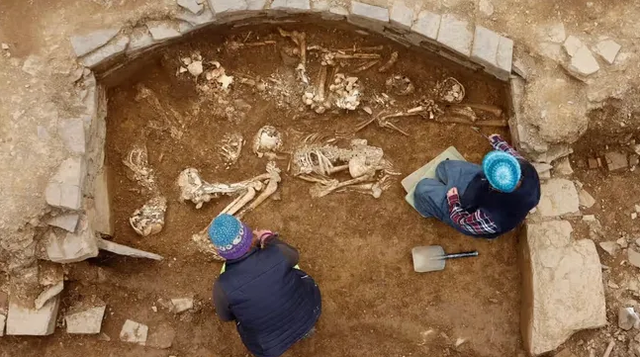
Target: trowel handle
[{"x": 461, "y": 255}]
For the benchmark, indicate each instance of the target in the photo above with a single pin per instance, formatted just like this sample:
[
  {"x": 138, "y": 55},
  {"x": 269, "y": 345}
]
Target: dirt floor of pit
[{"x": 356, "y": 247}]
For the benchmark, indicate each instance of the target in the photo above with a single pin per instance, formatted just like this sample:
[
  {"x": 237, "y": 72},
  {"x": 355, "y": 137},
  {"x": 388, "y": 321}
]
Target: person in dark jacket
[
  {"x": 481, "y": 201},
  {"x": 274, "y": 303}
]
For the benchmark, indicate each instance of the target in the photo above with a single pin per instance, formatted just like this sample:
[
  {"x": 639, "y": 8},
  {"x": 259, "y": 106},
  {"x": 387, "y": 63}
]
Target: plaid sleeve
[
  {"x": 475, "y": 223},
  {"x": 500, "y": 144}
]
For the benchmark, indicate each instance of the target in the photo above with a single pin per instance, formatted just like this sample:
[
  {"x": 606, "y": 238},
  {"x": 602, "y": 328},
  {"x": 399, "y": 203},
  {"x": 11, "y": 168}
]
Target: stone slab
[
  {"x": 106, "y": 52},
  {"x": 558, "y": 197},
  {"x": 102, "y": 219},
  {"x": 140, "y": 39},
  {"x": 504, "y": 58},
  {"x": 291, "y": 5},
  {"x": 181, "y": 304},
  {"x": 583, "y": 63},
  {"x": 455, "y": 34},
  {"x": 84, "y": 44},
  {"x": 204, "y": 18},
  {"x": 134, "y": 332},
  {"x": 64, "y": 189},
  {"x": 27, "y": 321},
  {"x": 66, "y": 221},
  {"x": 87, "y": 322},
  {"x": 608, "y": 50},
  {"x": 48, "y": 294},
  {"x": 72, "y": 247},
  {"x": 427, "y": 24},
  {"x": 194, "y": 6},
  {"x": 563, "y": 291},
  {"x": 222, "y": 6},
  {"x": 161, "y": 337},
  {"x": 616, "y": 160},
  {"x": 163, "y": 30},
  {"x": 256, "y": 4},
  {"x": 585, "y": 199},
  {"x": 401, "y": 15},
  {"x": 571, "y": 45},
  {"x": 369, "y": 12},
  {"x": 493, "y": 51},
  {"x": 71, "y": 131},
  {"x": 124, "y": 250}
]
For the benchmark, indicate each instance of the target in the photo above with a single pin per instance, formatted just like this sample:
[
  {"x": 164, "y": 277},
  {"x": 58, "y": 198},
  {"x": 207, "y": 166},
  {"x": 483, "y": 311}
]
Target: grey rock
[
  {"x": 141, "y": 39},
  {"x": 222, "y": 6},
  {"x": 558, "y": 197},
  {"x": 493, "y": 51},
  {"x": 161, "y": 337},
  {"x": 616, "y": 160},
  {"x": 134, "y": 332},
  {"x": 84, "y": 44},
  {"x": 608, "y": 50},
  {"x": 73, "y": 247},
  {"x": 622, "y": 242},
  {"x": 106, "y": 52},
  {"x": 585, "y": 199},
  {"x": 86, "y": 322},
  {"x": 194, "y": 6},
  {"x": 100, "y": 215},
  {"x": 48, "y": 294},
  {"x": 583, "y": 63},
  {"x": 611, "y": 247},
  {"x": 486, "y": 7},
  {"x": 293, "y": 5},
  {"x": 563, "y": 286},
  {"x": 427, "y": 24},
  {"x": 163, "y": 30},
  {"x": 64, "y": 189},
  {"x": 455, "y": 35},
  {"x": 627, "y": 318},
  {"x": 71, "y": 131},
  {"x": 401, "y": 15},
  {"x": 563, "y": 167},
  {"x": 256, "y": 4},
  {"x": 27, "y": 321},
  {"x": 124, "y": 250},
  {"x": 634, "y": 257},
  {"x": 369, "y": 11},
  {"x": 571, "y": 45},
  {"x": 66, "y": 221},
  {"x": 181, "y": 304}
]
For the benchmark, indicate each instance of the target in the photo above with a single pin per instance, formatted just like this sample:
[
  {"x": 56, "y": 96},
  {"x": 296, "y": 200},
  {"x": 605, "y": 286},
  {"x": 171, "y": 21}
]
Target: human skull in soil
[
  {"x": 267, "y": 140},
  {"x": 149, "y": 219},
  {"x": 450, "y": 90}
]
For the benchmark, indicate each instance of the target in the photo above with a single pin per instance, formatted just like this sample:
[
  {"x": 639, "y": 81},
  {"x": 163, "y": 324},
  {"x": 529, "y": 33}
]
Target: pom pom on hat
[{"x": 502, "y": 170}]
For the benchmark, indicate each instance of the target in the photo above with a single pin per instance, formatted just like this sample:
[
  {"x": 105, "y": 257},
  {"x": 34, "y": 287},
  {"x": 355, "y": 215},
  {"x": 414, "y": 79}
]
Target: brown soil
[{"x": 356, "y": 247}]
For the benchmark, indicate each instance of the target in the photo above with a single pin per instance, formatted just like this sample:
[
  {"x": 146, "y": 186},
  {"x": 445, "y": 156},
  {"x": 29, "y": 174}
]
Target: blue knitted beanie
[
  {"x": 231, "y": 237},
  {"x": 502, "y": 170}
]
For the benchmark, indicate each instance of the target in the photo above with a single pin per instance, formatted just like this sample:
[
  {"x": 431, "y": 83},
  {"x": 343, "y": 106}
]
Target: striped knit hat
[
  {"x": 502, "y": 170},
  {"x": 231, "y": 237}
]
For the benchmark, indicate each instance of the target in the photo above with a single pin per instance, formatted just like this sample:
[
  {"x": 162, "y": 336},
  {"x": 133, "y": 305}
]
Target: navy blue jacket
[{"x": 274, "y": 304}]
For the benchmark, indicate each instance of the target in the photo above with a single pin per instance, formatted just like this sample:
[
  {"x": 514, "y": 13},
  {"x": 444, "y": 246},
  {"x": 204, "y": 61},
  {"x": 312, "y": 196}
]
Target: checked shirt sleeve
[
  {"x": 500, "y": 144},
  {"x": 476, "y": 223}
]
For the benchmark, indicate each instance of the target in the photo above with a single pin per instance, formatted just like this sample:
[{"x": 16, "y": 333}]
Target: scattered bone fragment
[
  {"x": 387, "y": 66},
  {"x": 267, "y": 140},
  {"x": 137, "y": 161},
  {"x": 345, "y": 92},
  {"x": 195, "y": 68},
  {"x": 366, "y": 66},
  {"x": 400, "y": 85},
  {"x": 450, "y": 90},
  {"x": 231, "y": 148},
  {"x": 300, "y": 39},
  {"x": 149, "y": 219},
  {"x": 314, "y": 96},
  {"x": 236, "y": 45}
]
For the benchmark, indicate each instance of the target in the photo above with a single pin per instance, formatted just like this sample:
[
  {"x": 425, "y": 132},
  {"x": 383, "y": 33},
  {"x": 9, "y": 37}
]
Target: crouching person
[{"x": 273, "y": 303}]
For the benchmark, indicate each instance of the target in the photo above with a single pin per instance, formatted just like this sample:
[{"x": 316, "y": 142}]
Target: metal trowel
[{"x": 433, "y": 258}]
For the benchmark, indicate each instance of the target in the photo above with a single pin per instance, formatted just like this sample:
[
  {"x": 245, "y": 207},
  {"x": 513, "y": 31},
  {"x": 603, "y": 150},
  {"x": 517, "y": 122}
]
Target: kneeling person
[{"x": 273, "y": 303}]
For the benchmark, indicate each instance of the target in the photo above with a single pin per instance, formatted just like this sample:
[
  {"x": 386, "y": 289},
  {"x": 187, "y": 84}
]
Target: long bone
[
  {"x": 321, "y": 190},
  {"x": 271, "y": 188},
  {"x": 300, "y": 39}
]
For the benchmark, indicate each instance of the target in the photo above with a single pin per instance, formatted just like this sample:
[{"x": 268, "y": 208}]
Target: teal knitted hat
[
  {"x": 502, "y": 170},
  {"x": 231, "y": 237}
]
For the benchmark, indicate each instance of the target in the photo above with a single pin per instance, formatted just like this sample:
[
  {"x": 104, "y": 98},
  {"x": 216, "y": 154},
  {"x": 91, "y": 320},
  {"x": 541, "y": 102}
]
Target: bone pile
[
  {"x": 231, "y": 148},
  {"x": 214, "y": 74},
  {"x": 149, "y": 219},
  {"x": 450, "y": 90},
  {"x": 346, "y": 92},
  {"x": 316, "y": 162}
]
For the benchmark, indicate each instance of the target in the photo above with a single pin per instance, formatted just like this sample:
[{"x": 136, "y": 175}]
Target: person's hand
[
  {"x": 493, "y": 137},
  {"x": 452, "y": 192},
  {"x": 263, "y": 236}
]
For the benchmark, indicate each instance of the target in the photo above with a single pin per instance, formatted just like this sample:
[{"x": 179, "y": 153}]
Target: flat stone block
[
  {"x": 504, "y": 58},
  {"x": 204, "y": 18},
  {"x": 84, "y": 44},
  {"x": 64, "y": 189},
  {"x": 256, "y": 4},
  {"x": 583, "y": 63},
  {"x": 320, "y": 5},
  {"x": 558, "y": 197},
  {"x": 120, "y": 249},
  {"x": 608, "y": 50},
  {"x": 106, "y": 52},
  {"x": 563, "y": 291},
  {"x": 71, "y": 131},
  {"x": 66, "y": 221},
  {"x": 134, "y": 332},
  {"x": 163, "y": 30},
  {"x": 102, "y": 221},
  {"x": 72, "y": 247},
  {"x": 291, "y": 5},
  {"x": 88, "y": 322},
  {"x": 493, "y": 51},
  {"x": 426, "y": 27},
  {"x": 401, "y": 15},
  {"x": 181, "y": 304},
  {"x": 140, "y": 39},
  {"x": 455, "y": 34},
  {"x": 370, "y": 12},
  {"x": 27, "y": 321},
  {"x": 194, "y": 6},
  {"x": 221, "y": 6}
]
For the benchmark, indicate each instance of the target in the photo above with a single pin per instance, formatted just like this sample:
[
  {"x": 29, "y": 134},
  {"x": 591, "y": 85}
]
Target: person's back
[{"x": 273, "y": 303}]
